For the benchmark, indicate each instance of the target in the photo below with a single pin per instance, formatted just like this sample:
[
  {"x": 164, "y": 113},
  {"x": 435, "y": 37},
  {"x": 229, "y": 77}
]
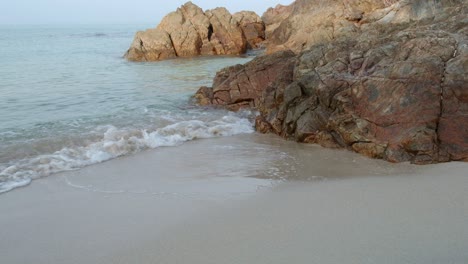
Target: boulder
[
  {"x": 241, "y": 86},
  {"x": 252, "y": 28},
  {"x": 227, "y": 37},
  {"x": 189, "y": 31},
  {"x": 186, "y": 27},
  {"x": 151, "y": 45}
]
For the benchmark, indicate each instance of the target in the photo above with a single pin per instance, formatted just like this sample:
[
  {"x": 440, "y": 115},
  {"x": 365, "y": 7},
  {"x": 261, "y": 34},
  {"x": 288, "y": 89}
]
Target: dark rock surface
[
  {"x": 395, "y": 89},
  {"x": 243, "y": 85}
]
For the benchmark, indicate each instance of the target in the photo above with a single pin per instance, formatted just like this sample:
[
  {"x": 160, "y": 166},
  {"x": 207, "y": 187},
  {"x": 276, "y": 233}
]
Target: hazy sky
[{"x": 111, "y": 11}]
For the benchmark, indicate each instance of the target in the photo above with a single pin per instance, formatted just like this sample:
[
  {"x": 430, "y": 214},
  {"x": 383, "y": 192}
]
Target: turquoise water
[{"x": 68, "y": 99}]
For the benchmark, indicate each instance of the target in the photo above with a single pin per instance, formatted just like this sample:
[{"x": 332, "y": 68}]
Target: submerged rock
[
  {"x": 393, "y": 87},
  {"x": 189, "y": 31}
]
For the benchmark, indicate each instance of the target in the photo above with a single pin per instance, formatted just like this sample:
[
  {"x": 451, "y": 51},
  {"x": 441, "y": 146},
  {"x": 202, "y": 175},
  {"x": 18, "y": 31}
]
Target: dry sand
[{"x": 242, "y": 199}]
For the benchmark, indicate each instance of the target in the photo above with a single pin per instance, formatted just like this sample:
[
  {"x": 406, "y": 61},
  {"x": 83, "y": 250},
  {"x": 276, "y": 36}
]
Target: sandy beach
[
  {"x": 241, "y": 199},
  {"x": 167, "y": 132}
]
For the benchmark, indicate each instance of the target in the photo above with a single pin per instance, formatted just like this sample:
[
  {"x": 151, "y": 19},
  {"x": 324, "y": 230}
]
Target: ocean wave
[{"x": 115, "y": 143}]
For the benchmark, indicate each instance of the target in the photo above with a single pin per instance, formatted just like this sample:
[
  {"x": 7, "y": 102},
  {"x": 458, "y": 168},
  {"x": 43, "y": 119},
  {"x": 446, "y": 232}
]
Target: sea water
[{"x": 69, "y": 99}]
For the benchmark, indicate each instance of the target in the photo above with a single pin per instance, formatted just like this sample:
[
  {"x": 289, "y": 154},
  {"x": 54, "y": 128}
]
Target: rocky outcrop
[
  {"x": 305, "y": 23},
  {"x": 190, "y": 31},
  {"x": 252, "y": 27},
  {"x": 273, "y": 18},
  {"x": 241, "y": 86},
  {"x": 396, "y": 90}
]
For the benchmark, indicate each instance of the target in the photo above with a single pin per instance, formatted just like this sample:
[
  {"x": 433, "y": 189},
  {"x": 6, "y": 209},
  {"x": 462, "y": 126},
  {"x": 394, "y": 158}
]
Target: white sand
[{"x": 194, "y": 204}]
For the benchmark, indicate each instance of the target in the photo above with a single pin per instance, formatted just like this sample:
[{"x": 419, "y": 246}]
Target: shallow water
[
  {"x": 248, "y": 198},
  {"x": 68, "y": 99}
]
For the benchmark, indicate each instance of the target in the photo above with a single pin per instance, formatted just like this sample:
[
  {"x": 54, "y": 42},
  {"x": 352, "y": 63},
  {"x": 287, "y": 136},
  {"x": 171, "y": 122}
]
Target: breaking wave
[{"x": 115, "y": 143}]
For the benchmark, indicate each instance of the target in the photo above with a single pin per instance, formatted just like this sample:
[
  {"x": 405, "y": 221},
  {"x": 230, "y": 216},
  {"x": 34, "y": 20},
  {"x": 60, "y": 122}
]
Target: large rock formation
[
  {"x": 190, "y": 32},
  {"x": 305, "y": 23},
  {"x": 392, "y": 86}
]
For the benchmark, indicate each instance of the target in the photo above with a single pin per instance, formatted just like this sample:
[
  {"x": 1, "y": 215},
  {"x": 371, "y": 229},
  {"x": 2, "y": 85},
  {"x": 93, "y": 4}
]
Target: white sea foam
[
  {"x": 54, "y": 119},
  {"x": 115, "y": 143}
]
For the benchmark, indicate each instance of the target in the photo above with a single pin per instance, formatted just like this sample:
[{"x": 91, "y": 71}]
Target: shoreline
[
  {"x": 418, "y": 219},
  {"x": 107, "y": 161},
  {"x": 218, "y": 201}
]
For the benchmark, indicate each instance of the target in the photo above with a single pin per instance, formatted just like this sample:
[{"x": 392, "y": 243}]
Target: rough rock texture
[
  {"x": 395, "y": 90},
  {"x": 252, "y": 27},
  {"x": 242, "y": 85},
  {"x": 305, "y": 23},
  {"x": 190, "y": 32},
  {"x": 227, "y": 37},
  {"x": 151, "y": 45},
  {"x": 273, "y": 17}
]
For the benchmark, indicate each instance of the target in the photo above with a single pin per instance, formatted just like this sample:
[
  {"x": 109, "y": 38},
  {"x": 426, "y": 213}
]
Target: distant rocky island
[{"x": 384, "y": 78}]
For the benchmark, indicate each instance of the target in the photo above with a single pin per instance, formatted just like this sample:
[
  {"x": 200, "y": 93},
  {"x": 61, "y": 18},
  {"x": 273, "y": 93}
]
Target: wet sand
[{"x": 242, "y": 199}]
